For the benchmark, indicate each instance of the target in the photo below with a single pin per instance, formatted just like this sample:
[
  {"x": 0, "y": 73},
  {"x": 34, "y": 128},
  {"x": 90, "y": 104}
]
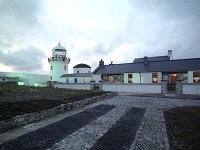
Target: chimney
[
  {"x": 146, "y": 60},
  {"x": 101, "y": 63},
  {"x": 170, "y": 54}
]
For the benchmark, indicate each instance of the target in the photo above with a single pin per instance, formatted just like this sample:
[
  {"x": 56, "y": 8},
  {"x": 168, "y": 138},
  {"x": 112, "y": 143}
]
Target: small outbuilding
[
  {"x": 81, "y": 68},
  {"x": 81, "y": 74}
]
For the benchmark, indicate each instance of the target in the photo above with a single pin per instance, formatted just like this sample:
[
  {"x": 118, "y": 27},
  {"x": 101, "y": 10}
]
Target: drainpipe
[{"x": 140, "y": 76}]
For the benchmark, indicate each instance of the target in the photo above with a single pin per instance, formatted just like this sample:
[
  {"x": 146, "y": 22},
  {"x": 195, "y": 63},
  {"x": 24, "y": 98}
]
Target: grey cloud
[
  {"x": 162, "y": 25},
  {"x": 22, "y": 11},
  {"x": 100, "y": 49},
  {"x": 28, "y": 59},
  {"x": 168, "y": 8},
  {"x": 96, "y": 52},
  {"x": 19, "y": 21}
]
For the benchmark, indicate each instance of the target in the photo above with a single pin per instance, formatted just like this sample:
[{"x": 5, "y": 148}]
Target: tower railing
[{"x": 59, "y": 58}]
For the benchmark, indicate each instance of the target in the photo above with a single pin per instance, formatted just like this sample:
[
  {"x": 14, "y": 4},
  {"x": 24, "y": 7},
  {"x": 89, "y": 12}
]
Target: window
[
  {"x": 84, "y": 80},
  {"x": 110, "y": 78},
  {"x": 51, "y": 67},
  {"x": 118, "y": 78},
  {"x": 154, "y": 77},
  {"x": 65, "y": 67},
  {"x": 130, "y": 76},
  {"x": 75, "y": 80},
  {"x": 184, "y": 77},
  {"x": 196, "y": 76},
  {"x": 67, "y": 80},
  {"x": 77, "y": 71},
  {"x": 51, "y": 78},
  {"x": 104, "y": 78}
]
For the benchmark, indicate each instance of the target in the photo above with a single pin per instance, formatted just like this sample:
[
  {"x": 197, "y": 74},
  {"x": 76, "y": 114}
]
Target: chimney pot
[
  {"x": 146, "y": 60},
  {"x": 101, "y": 63}
]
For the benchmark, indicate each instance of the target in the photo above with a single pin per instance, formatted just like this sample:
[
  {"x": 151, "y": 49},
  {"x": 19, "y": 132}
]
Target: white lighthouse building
[{"x": 58, "y": 63}]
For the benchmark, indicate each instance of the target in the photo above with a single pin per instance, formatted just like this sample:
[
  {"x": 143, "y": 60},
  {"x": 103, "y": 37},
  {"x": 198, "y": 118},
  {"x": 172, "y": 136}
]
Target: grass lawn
[
  {"x": 18, "y": 100},
  {"x": 183, "y": 128}
]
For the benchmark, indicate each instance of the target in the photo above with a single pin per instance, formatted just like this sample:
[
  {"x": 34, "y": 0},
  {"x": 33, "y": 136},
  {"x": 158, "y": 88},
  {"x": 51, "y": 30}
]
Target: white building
[
  {"x": 27, "y": 79},
  {"x": 146, "y": 75},
  {"x": 59, "y": 68},
  {"x": 58, "y": 63},
  {"x": 81, "y": 74}
]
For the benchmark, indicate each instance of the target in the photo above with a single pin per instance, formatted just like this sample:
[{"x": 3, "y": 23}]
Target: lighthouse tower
[{"x": 58, "y": 63}]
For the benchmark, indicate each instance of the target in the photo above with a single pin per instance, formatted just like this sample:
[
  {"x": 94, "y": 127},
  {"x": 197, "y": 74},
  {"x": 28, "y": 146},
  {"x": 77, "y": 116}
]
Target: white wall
[
  {"x": 191, "y": 88},
  {"x": 159, "y": 77},
  {"x": 96, "y": 77},
  {"x": 146, "y": 77},
  {"x": 190, "y": 76},
  {"x": 84, "y": 86},
  {"x": 138, "y": 88},
  {"x": 79, "y": 79},
  {"x": 125, "y": 77},
  {"x": 40, "y": 84},
  {"x": 28, "y": 78},
  {"x": 82, "y": 70},
  {"x": 58, "y": 69},
  {"x": 136, "y": 77}
]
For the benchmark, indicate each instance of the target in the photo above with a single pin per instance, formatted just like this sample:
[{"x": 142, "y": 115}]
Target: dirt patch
[
  {"x": 183, "y": 127},
  {"x": 16, "y": 100}
]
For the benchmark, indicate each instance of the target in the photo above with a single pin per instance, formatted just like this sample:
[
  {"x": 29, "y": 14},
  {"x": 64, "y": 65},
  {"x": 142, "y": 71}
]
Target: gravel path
[
  {"x": 152, "y": 134},
  {"x": 122, "y": 122},
  {"x": 44, "y": 137},
  {"x": 123, "y": 132}
]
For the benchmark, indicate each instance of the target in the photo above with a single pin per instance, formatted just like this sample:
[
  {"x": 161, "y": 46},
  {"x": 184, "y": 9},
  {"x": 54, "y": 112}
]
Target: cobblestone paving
[
  {"x": 88, "y": 135},
  {"x": 151, "y": 134}
]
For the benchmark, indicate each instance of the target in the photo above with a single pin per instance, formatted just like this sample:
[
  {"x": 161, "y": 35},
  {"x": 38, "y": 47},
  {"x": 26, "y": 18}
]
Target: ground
[
  {"x": 183, "y": 126},
  {"x": 18, "y": 100},
  {"x": 122, "y": 122}
]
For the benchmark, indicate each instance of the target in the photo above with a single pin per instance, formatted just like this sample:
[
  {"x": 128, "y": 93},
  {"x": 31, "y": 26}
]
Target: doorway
[{"x": 171, "y": 85}]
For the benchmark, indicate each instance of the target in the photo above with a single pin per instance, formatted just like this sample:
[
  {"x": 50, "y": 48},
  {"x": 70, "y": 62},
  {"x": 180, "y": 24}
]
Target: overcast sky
[{"x": 90, "y": 30}]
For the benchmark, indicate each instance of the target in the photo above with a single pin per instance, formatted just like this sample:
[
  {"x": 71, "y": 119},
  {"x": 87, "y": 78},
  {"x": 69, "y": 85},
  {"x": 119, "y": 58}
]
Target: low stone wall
[
  {"x": 83, "y": 86},
  {"x": 21, "y": 120}
]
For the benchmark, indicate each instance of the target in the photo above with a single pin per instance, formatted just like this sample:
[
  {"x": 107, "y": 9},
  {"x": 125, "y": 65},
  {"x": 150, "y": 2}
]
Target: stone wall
[
  {"x": 21, "y": 120},
  {"x": 164, "y": 86},
  {"x": 179, "y": 86},
  {"x": 84, "y": 86}
]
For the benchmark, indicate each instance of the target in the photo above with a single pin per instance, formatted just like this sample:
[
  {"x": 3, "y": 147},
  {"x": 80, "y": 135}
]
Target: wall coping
[
  {"x": 74, "y": 83},
  {"x": 191, "y": 83},
  {"x": 105, "y": 83}
]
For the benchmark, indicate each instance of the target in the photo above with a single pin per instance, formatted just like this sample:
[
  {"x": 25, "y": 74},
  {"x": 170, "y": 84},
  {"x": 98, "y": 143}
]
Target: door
[{"x": 171, "y": 85}]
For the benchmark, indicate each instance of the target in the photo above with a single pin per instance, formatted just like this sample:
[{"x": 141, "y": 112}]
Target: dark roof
[
  {"x": 77, "y": 75},
  {"x": 82, "y": 66},
  {"x": 181, "y": 65},
  {"x": 158, "y": 58},
  {"x": 11, "y": 79},
  {"x": 60, "y": 50}
]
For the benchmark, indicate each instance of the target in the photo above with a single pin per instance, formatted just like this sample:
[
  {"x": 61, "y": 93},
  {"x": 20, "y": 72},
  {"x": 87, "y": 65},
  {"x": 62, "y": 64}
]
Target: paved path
[{"x": 122, "y": 122}]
